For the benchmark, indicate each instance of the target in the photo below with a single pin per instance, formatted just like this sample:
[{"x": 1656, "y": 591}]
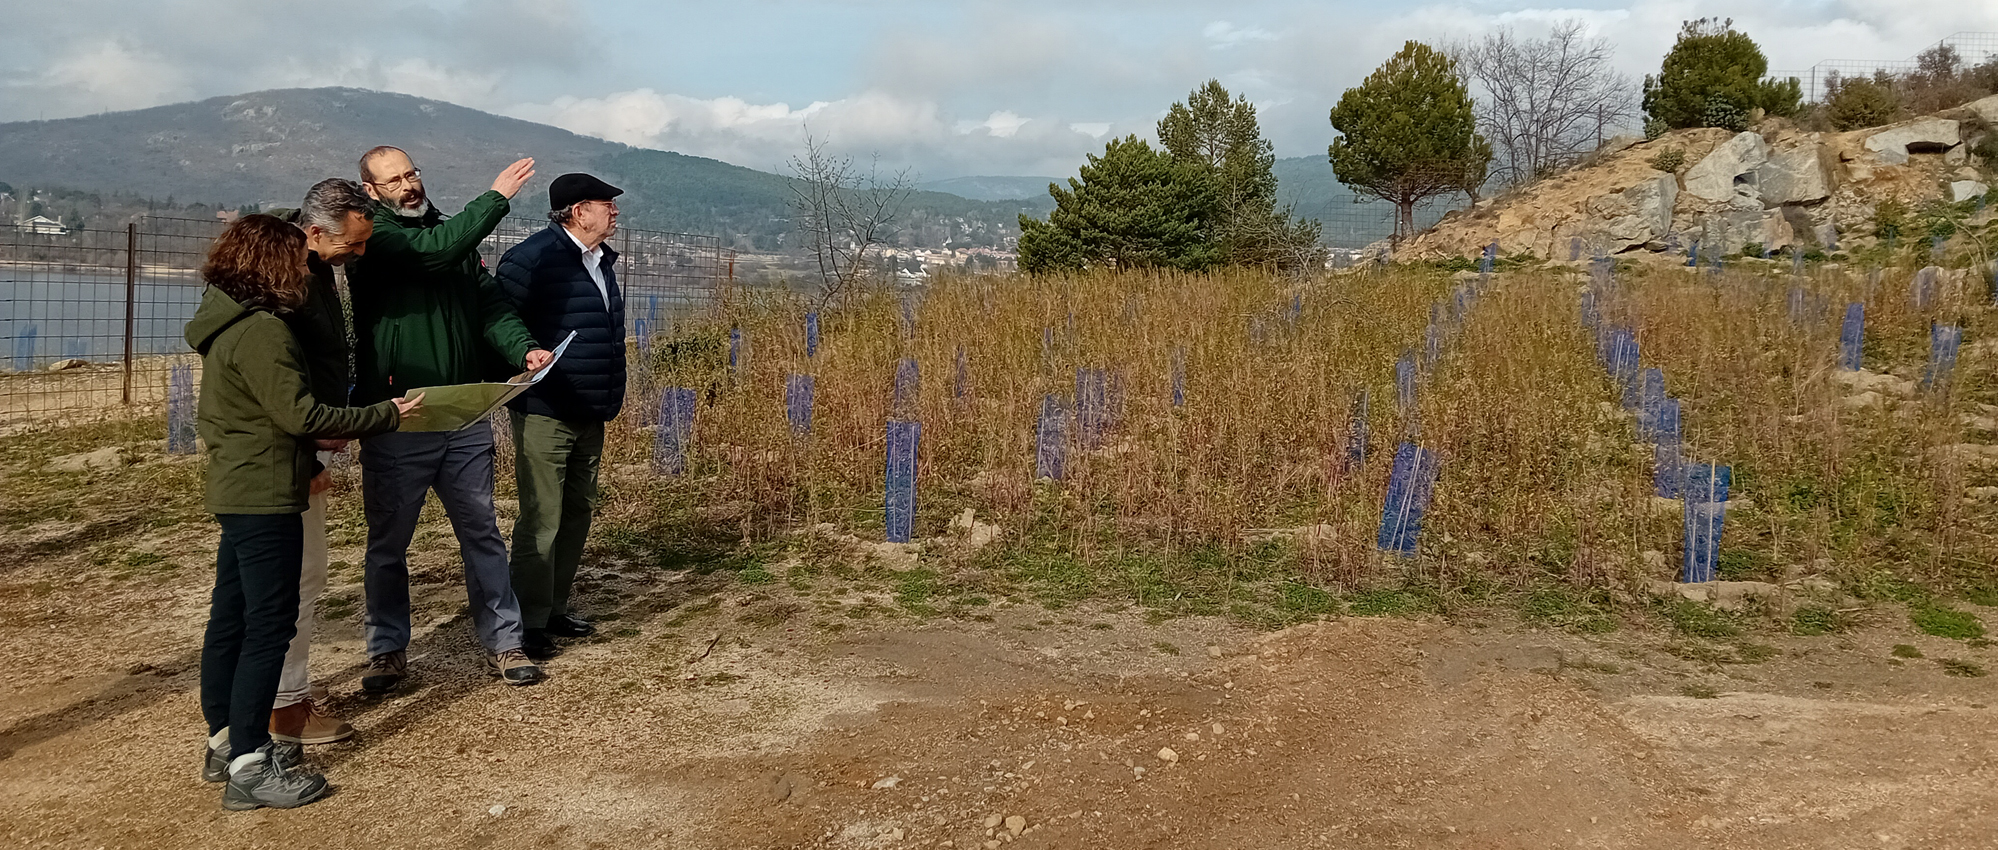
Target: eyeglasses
[{"x": 415, "y": 175}]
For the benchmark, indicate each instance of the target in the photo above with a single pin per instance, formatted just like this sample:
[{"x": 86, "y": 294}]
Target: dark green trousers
[{"x": 555, "y": 465}]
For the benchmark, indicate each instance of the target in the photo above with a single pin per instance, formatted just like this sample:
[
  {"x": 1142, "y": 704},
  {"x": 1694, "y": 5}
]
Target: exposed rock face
[
  {"x": 1986, "y": 109},
  {"x": 1964, "y": 190},
  {"x": 1798, "y": 175},
  {"x": 1922, "y": 135},
  {"x": 1728, "y": 174},
  {"x": 1631, "y": 217}
]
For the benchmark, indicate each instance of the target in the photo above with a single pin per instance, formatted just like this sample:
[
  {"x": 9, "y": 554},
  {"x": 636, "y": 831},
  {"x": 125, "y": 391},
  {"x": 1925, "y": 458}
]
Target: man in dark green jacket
[{"x": 426, "y": 314}]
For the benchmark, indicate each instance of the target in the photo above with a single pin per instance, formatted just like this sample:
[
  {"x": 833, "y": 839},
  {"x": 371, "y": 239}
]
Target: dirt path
[{"x": 805, "y": 725}]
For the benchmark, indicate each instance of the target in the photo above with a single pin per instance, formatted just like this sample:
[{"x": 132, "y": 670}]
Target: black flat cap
[{"x": 576, "y": 188}]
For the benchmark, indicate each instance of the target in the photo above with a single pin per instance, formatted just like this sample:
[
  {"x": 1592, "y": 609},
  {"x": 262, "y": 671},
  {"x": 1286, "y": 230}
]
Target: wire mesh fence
[
  {"x": 91, "y": 321},
  {"x": 1972, "y": 49}
]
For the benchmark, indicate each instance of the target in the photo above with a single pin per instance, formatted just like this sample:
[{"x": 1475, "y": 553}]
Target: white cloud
[
  {"x": 1092, "y": 129},
  {"x": 112, "y": 75},
  {"x": 1224, "y": 35},
  {"x": 1002, "y": 124}
]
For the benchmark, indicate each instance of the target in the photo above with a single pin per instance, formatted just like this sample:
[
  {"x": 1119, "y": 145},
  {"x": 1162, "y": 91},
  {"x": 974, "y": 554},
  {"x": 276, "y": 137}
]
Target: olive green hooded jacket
[{"x": 257, "y": 412}]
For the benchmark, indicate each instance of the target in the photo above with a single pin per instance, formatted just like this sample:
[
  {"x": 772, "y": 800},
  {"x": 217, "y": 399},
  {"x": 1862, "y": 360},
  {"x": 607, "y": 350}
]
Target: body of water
[{"x": 43, "y": 320}]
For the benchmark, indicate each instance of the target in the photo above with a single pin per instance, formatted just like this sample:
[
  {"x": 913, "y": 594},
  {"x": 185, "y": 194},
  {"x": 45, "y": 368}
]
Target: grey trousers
[{"x": 397, "y": 470}]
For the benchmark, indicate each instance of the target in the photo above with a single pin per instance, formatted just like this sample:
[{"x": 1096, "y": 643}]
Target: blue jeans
[{"x": 397, "y": 470}]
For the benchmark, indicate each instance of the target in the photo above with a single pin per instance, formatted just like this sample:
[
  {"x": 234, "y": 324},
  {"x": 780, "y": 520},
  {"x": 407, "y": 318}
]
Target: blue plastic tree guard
[
  {"x": 1051, "y": 440},
  {"x": 1490, "y": 258},
  {"x": 1092, "y": 405},
  {"x": 1944, "y": 340},
  {"x": 1179, "y": 376},
  {"x": 1624, "y": 364},
  {"x": 1796, "y": 262},
  {"x": 1356, "y": 435},
  {"x": 1935, "y": 248},
  {"x": 812, "y": 334},
  {"x": 735, "y": 353},
  {"x": 24, "y": 349},
  {"x": 1923, "y": 290},
  {"x": 1831, "y": 238},
  {"x": 1693, "y": 254},
  {"x": 676, "y": 430},
  {"x": 1796, "y": 304},
  {"x": 1404, "y": 383},
  {"x": 1411, "y": 486},
  {"x": 1432, "y": 344},
  {"x": 1574, "y": 248},
  {"x": 1668, "y": 469},
  {"x": 1850, "y": 335},
  {"x": 798, "y": 391},
  {"x": 900, "y": 508},
  {"x": 180, "y": 410},
  {"x": 1296, "y": 311},
  {"x": 1651, "y": 402},
  {"x": 908, "y": 381},
  {"x": 1706, "y": 510}
]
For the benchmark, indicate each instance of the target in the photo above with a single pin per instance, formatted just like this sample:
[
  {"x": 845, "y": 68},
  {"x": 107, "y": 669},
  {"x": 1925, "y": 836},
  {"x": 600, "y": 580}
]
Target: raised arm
[
  {"x": 442, "y": 247},
  {"x": 274, "y": 370}
]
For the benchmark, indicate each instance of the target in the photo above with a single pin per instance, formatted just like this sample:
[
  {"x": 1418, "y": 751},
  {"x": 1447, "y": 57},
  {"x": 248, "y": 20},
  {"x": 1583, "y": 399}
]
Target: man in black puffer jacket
[{"x": 561, "y": 280}]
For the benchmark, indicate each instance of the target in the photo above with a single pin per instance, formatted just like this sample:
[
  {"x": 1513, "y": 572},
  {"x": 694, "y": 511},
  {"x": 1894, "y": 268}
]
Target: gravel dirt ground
[{"x": 712, "y": 714}]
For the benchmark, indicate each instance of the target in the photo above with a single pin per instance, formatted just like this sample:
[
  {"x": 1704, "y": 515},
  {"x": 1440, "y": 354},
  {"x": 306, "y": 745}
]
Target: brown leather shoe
[{"x": 306, "y": 723}]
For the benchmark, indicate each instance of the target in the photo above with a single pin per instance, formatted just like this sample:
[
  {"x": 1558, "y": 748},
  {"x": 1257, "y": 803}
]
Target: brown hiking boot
[
  {"x": 513, "y": 666},
  {"x": 306, "y": 722}
]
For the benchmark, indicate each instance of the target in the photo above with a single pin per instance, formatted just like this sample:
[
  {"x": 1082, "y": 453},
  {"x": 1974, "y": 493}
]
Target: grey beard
[{"x": 415, "y": 211}]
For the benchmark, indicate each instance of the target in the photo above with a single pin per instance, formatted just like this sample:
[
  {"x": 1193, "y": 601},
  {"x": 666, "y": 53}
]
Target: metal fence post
[{"x": 131, "y": 299}]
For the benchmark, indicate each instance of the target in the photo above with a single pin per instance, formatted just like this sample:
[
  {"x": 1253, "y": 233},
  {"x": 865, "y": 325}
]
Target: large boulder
[
  {"x": 1728, "y": 173},
  {"x": 1922, "y": 135},
  {"x": 1986, "y": 109},
  {"x": 1798, "y": 175},
  {"x": 1636, "y": 215},
  {"x": 1965, "y": 190}
]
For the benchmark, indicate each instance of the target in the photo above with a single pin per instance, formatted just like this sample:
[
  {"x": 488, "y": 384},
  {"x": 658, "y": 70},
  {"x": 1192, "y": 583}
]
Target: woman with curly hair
[{"x": 259, "y": 419}]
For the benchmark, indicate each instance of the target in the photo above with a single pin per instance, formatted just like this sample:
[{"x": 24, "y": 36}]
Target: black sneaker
[
  {"x": 267, "y": 781},
  {"x": 539, "y": 646},
  {"x": 513, "y": 666},
  {"x": 385, "y": 671},
  {"x": 565, "y": 626}
]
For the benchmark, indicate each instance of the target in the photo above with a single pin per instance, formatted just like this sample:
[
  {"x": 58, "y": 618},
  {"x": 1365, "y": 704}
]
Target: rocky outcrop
[
  {"x": 1776, "y": 188},
  {"x": 1728, "y": 175},
  {"x": 1797, "y": 175},
  {"x": 1893, "y": 144}
]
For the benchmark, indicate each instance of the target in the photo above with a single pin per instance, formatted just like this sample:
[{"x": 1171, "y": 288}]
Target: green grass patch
[
  {"x": 1699, "y": 692},
  {"x": 1905, "y": 650},
  {"x": 1815, "y": 620},
  {"x": 1400, "y": 602},
  {"x": 1941, "y": 621},
  {"x": 1700, "y": 620}
]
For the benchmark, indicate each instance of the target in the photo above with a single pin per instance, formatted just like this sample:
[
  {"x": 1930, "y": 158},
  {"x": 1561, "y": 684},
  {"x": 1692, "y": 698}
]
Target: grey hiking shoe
[
  {"x": 385, "y": 671},
  {"x": 216, "y": 766},
  {"x": 513, "y": 666},
  {"x": 266, "y": 780}
]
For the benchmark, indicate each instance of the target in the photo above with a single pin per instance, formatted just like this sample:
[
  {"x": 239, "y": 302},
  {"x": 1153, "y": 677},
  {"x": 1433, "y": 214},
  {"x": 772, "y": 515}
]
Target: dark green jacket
[
  {"x": 426, "y": 311},
  {"x": 321, "y": 328},
  {"x": 257, "y": 412}
]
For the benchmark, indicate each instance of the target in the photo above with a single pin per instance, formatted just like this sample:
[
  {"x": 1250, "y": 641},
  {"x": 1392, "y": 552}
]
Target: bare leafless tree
[
  {"x": 1544, "y": 103},
  {"x": 843, "y": 213}
]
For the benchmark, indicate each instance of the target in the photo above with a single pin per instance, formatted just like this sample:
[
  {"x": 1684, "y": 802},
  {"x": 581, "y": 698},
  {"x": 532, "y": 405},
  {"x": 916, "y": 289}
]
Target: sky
[{"x": 1025, "y": 87}]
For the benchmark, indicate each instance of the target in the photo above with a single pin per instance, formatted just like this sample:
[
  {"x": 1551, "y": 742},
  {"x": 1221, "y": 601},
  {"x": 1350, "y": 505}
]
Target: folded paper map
[{"x": 460, "y": 406}]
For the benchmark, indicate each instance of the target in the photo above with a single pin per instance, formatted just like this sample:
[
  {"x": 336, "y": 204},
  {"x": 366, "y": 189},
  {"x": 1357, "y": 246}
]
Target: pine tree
[
  {"x": 1221, "y": 137},
  {"x": 1409, "y": 133},
  {"x": 1131, "y": 207},
  {"x": 1713, "y": 77}
]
